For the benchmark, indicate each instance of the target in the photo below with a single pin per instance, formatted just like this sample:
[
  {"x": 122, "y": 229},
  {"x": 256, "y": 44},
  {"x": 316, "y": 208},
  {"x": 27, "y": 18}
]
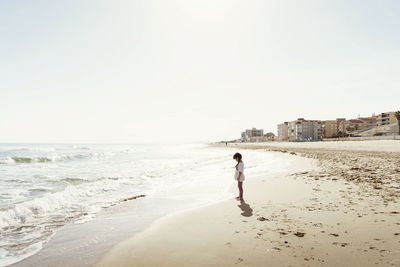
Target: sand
[
  {"x": 335, "y": 206},
  {"x": 376, "y": 145}
]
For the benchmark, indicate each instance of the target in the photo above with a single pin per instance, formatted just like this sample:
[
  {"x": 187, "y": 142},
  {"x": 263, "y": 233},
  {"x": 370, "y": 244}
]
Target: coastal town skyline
[{"x": 301, "y": 129}]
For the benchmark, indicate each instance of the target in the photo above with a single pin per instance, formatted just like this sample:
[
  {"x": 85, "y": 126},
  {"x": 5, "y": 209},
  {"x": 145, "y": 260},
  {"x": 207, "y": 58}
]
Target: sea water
[{"x": 46, "y": 186}]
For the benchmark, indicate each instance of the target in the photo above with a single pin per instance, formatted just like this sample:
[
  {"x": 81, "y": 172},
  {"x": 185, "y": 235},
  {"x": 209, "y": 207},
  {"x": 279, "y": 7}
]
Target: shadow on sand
[{"x": 247, "y": 211}]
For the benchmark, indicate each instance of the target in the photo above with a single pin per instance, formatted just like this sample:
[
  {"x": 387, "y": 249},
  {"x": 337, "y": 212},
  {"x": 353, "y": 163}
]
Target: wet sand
[
  {"x": 83, "y": 244},
  {"x": 333, "y": 207}
]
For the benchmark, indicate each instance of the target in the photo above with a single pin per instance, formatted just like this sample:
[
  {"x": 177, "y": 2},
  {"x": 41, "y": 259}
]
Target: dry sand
[
  {"x": 376, "y": 145},
  {"x": 333, "y": 207}
]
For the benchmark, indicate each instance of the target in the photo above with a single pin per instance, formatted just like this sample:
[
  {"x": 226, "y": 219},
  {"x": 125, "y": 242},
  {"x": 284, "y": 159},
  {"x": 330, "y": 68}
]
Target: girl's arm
[{"x": 240, "y": 170}]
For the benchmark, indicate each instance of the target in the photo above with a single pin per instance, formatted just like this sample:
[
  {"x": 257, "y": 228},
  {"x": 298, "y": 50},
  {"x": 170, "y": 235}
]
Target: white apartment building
[
  {"x": 283, "y": 131},
  {"x": 305, "y": 130}
]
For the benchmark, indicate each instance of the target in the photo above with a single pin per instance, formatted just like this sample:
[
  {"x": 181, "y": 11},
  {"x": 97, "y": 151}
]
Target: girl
[{"x": 239, "y": 174}]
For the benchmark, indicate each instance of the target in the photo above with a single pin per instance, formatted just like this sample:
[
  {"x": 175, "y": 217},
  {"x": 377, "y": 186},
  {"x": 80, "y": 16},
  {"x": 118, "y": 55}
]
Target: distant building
[
  {"x": 270, "y": 137},
  {"x": 383, "y": 130},
  {"x": 331, "y": 128},
  {"x": 334, "y": 128},
  {"x": 243, "y": 137},
  {"x": 340, "y": 125},
  {"x": 253, "y": 135},
  {"x": 254, "y": 132},
  {"x": 353, "y": 125},
  {"x": 386, "y": 118},
  {"x": 369, "y": 121},
  {"x": 305, "y": 130},
  {"x": 283, "y": 131},
  {"x": 356, "y": 126}
]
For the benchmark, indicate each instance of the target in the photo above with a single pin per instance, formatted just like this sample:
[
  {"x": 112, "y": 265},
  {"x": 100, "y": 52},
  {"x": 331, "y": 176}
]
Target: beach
[
  {"x": 200, "y": 133},
  {"x": 336, "y": 204}
]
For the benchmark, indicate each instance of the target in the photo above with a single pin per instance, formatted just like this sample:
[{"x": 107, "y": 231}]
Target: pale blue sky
[{"x": 146, "y": 71}]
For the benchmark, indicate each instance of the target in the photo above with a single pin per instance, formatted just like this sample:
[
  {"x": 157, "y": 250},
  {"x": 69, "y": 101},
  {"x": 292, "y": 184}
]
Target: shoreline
[
  {"x": 323, "y": 228},
  {"x": 82, "y": 244}
]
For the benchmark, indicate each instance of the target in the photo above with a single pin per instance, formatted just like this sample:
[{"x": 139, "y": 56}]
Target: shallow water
[{"x": 46, "y": 186}]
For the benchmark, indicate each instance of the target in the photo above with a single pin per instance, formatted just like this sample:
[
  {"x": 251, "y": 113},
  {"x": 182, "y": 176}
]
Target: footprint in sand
[
  {"x": 229, "y": 244},
  {"x": 340, "y": 244},
  {"x": 299, "y": 234},
  {"x": 239, "y": 260}
]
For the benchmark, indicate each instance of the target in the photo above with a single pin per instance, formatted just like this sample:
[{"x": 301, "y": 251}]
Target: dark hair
[{"x": 237, "y": 156}]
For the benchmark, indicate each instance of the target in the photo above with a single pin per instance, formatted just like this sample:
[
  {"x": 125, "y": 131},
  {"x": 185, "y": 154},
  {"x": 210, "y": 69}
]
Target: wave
[
  {"x": 29, "y": 160},
  {"x": 6, "y": 160},
  {"x": 81, "y": 147},
  {"x": 71, "y": 200},
  {"x": 38, "y": 219},
  {"x": 29, "y": 219},
  {"x": 32, "y": 149},
  {"x": 74, "y": 180},
  {"x": 47, "y": 158}
]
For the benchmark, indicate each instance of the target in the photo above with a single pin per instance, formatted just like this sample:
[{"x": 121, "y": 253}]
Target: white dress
[{"x": 239, "y": 168}]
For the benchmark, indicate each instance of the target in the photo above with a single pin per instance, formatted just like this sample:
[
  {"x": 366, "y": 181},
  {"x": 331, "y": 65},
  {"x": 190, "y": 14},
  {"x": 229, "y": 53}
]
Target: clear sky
[{"x": 159, "y": 70}]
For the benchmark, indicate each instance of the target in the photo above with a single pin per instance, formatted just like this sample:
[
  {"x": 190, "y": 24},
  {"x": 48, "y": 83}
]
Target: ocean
[{"x": 44, "y": 187}]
